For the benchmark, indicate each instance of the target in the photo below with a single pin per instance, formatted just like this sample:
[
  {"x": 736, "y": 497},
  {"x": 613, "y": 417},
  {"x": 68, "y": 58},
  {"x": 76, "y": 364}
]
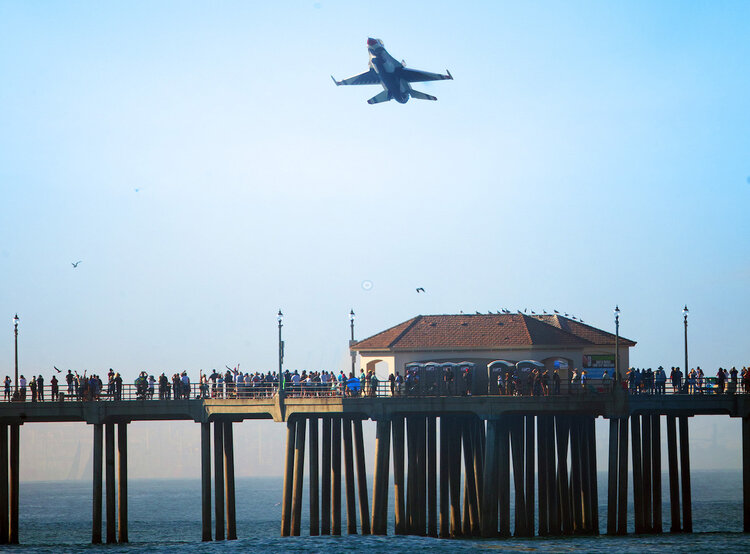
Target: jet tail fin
[
  {"x": 381, "y": 97},
  {"x": 420, "y": 95}
]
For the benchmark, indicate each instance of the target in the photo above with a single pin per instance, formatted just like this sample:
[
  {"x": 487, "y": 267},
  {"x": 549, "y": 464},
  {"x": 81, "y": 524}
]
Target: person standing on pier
[
  {"x": 40, "y": 388},
  {"x": 7, "y": 387},
  {"x": 54, "y": 388},
  {"x": 69, "y": 381},
  {"x": 118, "y": 387},
  {"x": 32, "y": 386}
]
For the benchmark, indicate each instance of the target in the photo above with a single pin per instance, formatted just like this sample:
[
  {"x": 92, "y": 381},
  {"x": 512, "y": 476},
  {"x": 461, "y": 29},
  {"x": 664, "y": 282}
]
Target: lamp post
[
  {"x": 617, "y": 344},
  {"x": 685, "y": 314},
  {"x": 15, "y": 332},
  {"x": 280, "y": 318},
  {"x": 351, "y": 341}
]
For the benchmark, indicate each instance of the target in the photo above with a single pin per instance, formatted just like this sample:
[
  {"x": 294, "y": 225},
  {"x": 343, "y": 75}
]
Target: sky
[{"x": 203, "y": 167}]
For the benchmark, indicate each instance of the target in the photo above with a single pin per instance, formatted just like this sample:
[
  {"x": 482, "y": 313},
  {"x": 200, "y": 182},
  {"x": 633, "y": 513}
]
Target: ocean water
[{"x": 164, "y": 516}]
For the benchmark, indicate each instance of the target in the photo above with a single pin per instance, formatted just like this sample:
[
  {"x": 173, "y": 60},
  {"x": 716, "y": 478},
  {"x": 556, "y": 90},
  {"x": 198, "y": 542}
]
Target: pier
[{"x": 454, "y": 460}]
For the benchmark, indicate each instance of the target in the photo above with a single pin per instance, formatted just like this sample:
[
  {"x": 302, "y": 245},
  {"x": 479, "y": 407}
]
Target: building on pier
[{"x": 551, "y": 339}]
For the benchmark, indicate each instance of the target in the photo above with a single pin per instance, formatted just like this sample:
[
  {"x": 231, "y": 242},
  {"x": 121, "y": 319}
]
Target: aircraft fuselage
[{"x": 390, "y": 72}]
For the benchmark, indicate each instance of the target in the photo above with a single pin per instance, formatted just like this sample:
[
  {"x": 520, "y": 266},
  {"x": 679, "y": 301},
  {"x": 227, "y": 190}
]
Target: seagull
[
  {"x": 556, "y": 311},
  {"x": 419, "y": 289},
  {"x": 566, "y": 315},
  {"x": 75, "y": 264},
  {"x": 519, "y": 311},
  {"x": 58, "y": 370},
  {"x": 533, "y": 312},
  {"x": 524, "y": 310},
  {"x": 479, "y": 313}
]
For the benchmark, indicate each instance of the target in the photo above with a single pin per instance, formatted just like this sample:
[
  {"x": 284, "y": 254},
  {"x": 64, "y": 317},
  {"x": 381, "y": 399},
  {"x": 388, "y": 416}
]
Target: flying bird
[
  {"x": 420, "y": 289},
  {"x": 58, "y": 370},
  {"x": 75, "y": 264}
]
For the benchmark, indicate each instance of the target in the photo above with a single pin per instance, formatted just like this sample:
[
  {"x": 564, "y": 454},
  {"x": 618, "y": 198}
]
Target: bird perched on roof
[
  {"x": 544, "y": 311},
  {"x": 556, "y": 311},
  {"x": 420, "y": 289}
]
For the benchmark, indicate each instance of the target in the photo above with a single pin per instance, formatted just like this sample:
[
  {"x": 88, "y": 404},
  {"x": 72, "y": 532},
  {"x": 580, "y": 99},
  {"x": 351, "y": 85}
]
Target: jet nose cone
[{"x": 371, "y": 41}]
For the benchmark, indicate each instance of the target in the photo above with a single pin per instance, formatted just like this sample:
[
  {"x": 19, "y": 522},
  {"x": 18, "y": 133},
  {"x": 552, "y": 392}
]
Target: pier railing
[{"x": 363, "y": 389}]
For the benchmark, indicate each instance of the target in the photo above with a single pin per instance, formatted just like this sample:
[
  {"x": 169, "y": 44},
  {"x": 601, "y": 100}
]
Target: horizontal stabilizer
[
  {"x": 420, "y": 95},
  {"x": 382, "y": 97}
]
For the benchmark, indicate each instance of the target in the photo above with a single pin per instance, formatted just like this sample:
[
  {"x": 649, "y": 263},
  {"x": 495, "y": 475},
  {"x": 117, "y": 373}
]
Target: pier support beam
[
  {"x": 674, "y": 474},
  {"x": 286, "y": 506},
  {"x": 490, "y": 498},
  {"x": 15, "y": 443},
  {"x": 111, "y": 485},
  {"x": 122, "y": 482},
  {"x": 432, "y": 518},
  {"x": 622, "y": 479},
  {"x": 336, "y": 476},
  {"x": 470, "y": 479},
  {"x": 96, "y": 520},
  {"x": 351, "y": 500},
  {"x": 687, "y": 505},
  {"x": 444, "y": 476},
  {"x": 530, "y": 476},
  {"x": 325, "y": 478},
  {"x": 562, "y": 430},
  {"x": 205, "y": 482},
  {"x": 635, "y": 429},
  {"x": 380, "y": 482},
  {"x": 593, "y": 475},
  {"x": 656, "y": 471},
  {"x": 229, "y": 481},
  {"x": 517, "y": 444},
  {"x": 648, "y": 522},
  {"x": 398, "y": 474},
  {"x": 299, "y": 473},
  {"x": 455, "y": 476},
  {"x": 746, "y": 474},
  {"x": 503, "y": 465},
  {"x": 359, "y": 450},
  {"x": 614, "y": 431},
  {"x": 314, "y": 478},
  {"x": 4, "y": 483},
  {"x": 219, "y": 479}
]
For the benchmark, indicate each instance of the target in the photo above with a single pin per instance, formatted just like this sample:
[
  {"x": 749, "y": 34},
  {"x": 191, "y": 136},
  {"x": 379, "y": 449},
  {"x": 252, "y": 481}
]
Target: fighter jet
[{"x": 392, "y": 75}]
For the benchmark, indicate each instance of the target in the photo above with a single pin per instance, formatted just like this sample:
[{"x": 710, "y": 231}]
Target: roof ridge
[{"x": 404, "y": 331}]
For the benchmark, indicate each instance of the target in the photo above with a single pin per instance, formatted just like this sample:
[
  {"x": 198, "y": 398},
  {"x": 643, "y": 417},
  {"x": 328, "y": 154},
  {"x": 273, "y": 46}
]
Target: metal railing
[{"x": 354, "y": 388}]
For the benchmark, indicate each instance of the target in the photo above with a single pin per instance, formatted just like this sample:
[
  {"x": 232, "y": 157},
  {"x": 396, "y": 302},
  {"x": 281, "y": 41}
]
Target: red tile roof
[{"x": 486, "y": 332}]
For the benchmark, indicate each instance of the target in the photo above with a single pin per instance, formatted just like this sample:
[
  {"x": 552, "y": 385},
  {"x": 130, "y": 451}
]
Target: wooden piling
[
  {"x": 205, "y": 482},
  {"x": 432, "y": 519},
  {"x": 325, "y": 479},
  {"x": 380, "y": 481},
  {"x": 411, "y": 476},
  {"x": 359, "y": 449},
  {"x": 351, "y": 499},
  {"x": 444, "y": 477},
  {"x": 15, "y": 438},
  {"x": 530, "y": 477},
  {"x": 587, "y": 508},
  {"x": 593, "y": 475},
  {"x": 336, "y": 476},
  {"x": 421, "y": 475},
  {"x": 491, "y": 482},
  {"x": 635, "y": 432},
  {"x": 648, "y": 525},
  {"x": 746, "y": 474},
  {"x": 231, "y": 517},
  {"x": 576, "y": 485},
  {"x": 674, "y": 475},
  {"x": 543, "y": 461},
  {"x": 562, "y": 430},
  {"x": 299, "y": 474},
  {"x": 286, "y": 506},
  {"x": 503, "y": 466},
  {"x": 614, "y": 430},
  {"x": 111, "y": 496},
  {"x": 122, "y": 482},
  {"x": 517, "y": 447},
  {"x": 552, "y": 488},
  {"x": 96, "y": 520},
  {"x": 398, "y": 474},
  {"x": 622, "y": 479},
  {"x": 687, "y": 505},
  {"x": 656, "y": 472},
  {"x": 313, "y": 495},
  {"x": 219, "y": 481},
  {"x": 455, "y": 477},
  {"x": 470, "y": 479},
  {"x": 4, "y": 523}
]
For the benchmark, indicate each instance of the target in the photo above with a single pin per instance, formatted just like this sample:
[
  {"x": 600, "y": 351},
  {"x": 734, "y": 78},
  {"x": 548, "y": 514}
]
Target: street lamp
[
  {"x": 280, "y": 318},
  {"x": 351, "y": 341},
  {"x": 685, "y": 314},
  {"x": 617, "y": 344},
  {"x": 15, "y": 332}
]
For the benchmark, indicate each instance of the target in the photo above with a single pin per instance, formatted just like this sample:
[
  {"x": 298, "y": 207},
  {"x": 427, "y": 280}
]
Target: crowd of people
[{"x": 234, "y": 383}]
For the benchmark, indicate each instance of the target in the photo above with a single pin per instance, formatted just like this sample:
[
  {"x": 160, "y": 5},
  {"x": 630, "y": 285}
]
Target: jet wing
[
  {"x": 366, "y": 78},
  {"x": 417, "y": 76}
]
